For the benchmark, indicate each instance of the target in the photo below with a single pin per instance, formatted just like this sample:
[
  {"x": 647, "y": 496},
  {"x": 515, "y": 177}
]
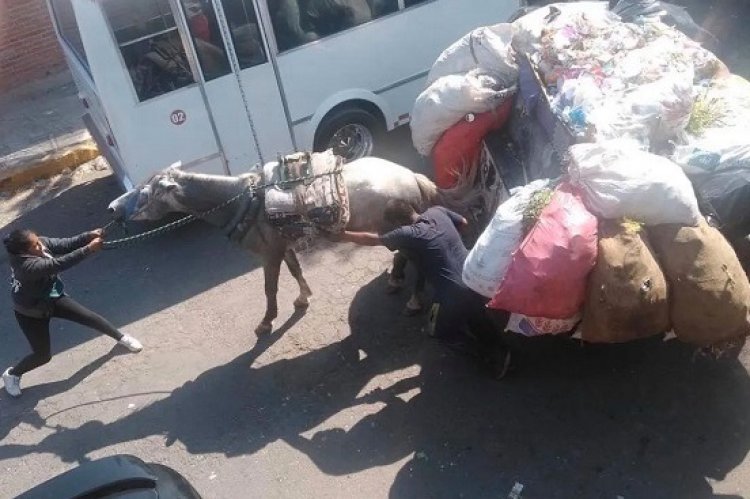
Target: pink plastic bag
[{"x": 548, "y": 273}]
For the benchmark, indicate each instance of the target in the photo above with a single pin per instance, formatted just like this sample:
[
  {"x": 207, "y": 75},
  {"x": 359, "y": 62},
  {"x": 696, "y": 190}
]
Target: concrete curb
[{"x": 48, "y": 165}]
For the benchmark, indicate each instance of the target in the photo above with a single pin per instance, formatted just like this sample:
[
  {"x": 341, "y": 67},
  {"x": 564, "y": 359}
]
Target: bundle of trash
[
  {"x": 638, "y": 128},
  {"x": 619, "y": 245}
]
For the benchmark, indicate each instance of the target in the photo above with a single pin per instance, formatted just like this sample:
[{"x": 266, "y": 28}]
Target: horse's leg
[
  {"x": 271, "y": 270},
  {"x": 415, "y": 305},
  {"x": 292, "y": 263},
  {"x": 398, "y": 273}
]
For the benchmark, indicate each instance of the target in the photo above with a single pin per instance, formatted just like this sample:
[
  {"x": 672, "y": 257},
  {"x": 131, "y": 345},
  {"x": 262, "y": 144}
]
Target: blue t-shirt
[
  {"x": 434, "y": 244},
  {"x": 58, "y": 288}
]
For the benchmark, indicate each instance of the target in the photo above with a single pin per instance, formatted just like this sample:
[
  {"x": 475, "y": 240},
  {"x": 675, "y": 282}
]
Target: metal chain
[
  {"x": 234, "y": 62},
  {"x": 251, "y": 189}
]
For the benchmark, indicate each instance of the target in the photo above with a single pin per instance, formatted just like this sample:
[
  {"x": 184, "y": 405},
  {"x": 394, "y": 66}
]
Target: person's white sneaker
[
  {"x": 12, "y": 383},
  {"x": 131, "y": 343}
]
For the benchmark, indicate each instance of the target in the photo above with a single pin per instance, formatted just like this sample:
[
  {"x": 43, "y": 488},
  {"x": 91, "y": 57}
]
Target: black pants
[
  {"x": 459, "y": 311},
  {"x": 37, "y": 331}
]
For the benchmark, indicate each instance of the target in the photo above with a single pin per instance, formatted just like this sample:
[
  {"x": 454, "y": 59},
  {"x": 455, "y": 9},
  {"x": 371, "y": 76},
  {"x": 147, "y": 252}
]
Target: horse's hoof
[
  {"x": 301, "y": 303},
  {"x": 264, "y": 329}
]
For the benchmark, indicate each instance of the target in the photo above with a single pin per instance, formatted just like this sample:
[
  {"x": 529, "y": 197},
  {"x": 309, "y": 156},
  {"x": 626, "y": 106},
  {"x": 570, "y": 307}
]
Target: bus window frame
[
  {"x": 186, "y": 46},
  {"x": 82, "y": 59},
  {"x": 338, "y": 33}
]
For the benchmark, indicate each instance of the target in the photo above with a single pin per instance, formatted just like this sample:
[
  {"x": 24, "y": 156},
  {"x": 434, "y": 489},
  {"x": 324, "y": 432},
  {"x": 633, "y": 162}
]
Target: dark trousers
[
  {"x": 37, "y": 331},
  {"x": 458, "y": 311}
]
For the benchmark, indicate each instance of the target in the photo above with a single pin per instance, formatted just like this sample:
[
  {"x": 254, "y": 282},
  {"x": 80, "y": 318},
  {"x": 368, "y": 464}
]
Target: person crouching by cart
[
  {"x": 39, "y": 295},
  {"x": 458, "y": 316}
]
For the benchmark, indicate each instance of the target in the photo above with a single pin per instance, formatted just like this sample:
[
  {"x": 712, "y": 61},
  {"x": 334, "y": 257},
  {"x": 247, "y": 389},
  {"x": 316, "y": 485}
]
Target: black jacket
[{"x": 33, "y": 276}]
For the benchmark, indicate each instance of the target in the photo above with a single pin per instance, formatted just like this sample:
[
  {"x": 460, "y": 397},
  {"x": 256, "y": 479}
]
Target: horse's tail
[{"x": 465, "y": 197}]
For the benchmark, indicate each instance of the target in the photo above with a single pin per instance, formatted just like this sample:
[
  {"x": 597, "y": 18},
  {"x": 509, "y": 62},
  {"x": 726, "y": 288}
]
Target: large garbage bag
[
  {"x": 626, "y": 297},
  {"x": 459, "y": 147},
  {"x": 448, "y": 100},
  {"x": 488, "y": 260},
  {"x": 487, "y": 48},
  {"x": 547, "y": 275},
  {"x": 709, "y": 293},
  {"x": 620, "y": 181}
]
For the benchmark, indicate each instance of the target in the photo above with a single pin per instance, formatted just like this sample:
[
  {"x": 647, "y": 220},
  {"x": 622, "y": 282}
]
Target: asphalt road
[{"x": 350, "y": 399}]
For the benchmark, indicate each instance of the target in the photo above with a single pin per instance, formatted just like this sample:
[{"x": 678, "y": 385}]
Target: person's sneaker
[
  {"x": 12, "y": 383},
  {"x": 131, "y": 343}
]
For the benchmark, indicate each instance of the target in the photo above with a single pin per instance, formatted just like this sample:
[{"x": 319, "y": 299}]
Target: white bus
[{"x": 222, "y": 85}]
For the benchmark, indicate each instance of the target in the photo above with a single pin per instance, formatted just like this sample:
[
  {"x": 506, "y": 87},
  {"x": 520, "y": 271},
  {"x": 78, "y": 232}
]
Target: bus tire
[{"x": 352, "y": 133}]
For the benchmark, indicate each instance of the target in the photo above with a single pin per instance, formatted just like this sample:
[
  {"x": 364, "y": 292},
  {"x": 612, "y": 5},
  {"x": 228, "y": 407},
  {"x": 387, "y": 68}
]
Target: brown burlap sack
[
  {"x": 626, "y": 297},
  {"x": 709, "y": 292}
]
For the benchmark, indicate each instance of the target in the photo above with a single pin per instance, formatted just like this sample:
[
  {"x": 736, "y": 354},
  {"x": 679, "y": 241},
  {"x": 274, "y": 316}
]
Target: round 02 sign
[{"x": 178, "y": 117}]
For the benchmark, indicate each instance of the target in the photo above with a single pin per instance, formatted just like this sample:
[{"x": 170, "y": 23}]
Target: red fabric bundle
[{"x": 458, "y": 148}]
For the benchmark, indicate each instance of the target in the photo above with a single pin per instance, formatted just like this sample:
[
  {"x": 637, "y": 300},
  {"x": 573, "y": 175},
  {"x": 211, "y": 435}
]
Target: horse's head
[{"x": 152, "y": 200}]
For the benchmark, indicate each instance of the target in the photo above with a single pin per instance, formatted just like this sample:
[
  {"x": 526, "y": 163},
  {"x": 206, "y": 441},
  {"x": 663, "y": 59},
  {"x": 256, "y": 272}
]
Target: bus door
[
  {"x": 240, "y": 82},
  {"x": 147, "y": 87}
]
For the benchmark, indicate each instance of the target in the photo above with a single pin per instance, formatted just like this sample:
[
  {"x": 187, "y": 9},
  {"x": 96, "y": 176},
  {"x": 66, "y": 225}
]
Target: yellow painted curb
[{"x": 51, "y": 165}]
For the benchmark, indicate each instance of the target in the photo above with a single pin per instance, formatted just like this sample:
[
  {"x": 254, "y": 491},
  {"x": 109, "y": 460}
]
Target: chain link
[{"x": 251, "y": 189}]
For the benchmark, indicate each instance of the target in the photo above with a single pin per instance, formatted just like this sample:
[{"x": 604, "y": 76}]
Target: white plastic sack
[
  {"x": 527, "y": 31},
  {"x": 488, "y": 260},
  {"x": 487, "y": 48},
  {"x": 448, "y": 100},
  {"x": 618, "y": 180},
  {"x": 537, "y": 326},
  {"x": 717, "y": 150},
  {"x": 725, "y": 145}
]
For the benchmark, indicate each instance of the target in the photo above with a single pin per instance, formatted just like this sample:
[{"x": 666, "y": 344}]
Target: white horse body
[{"x": 371, "y": 183}]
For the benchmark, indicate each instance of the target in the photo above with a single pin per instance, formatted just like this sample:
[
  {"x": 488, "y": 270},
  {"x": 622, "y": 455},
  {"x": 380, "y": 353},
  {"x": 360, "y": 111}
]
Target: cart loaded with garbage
[{"x": 614, "y": 159}]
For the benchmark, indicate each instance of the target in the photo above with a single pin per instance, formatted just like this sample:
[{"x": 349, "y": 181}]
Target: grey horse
[{"x": 371, "y": 183}]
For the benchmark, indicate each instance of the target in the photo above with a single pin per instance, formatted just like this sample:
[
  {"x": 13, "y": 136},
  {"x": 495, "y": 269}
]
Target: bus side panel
[
  {"x": 389, "y": 56},
  {"x": 267, "y": 111}
]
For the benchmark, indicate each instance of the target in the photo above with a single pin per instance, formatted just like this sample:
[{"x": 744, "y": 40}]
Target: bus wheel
[{"x": 351, "y": 132}]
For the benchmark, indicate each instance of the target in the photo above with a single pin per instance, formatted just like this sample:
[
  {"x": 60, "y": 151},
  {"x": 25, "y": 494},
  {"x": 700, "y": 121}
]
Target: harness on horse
[{"x": 303, "y": 193}]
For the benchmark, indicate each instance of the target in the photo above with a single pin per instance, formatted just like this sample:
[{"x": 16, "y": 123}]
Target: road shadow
[
  {"x": 639, "y": 420},
  {"x": 645, "y": 419},
  {"x": 240, "y": 407},
  {"x": 23, "y": 409}
]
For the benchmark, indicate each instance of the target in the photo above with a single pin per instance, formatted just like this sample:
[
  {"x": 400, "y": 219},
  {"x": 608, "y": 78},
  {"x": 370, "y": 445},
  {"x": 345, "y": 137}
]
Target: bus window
[
  {"x": 68, "y": 26},
  {"x": 243, "y": 23},
  {"x": 296, "y": 22},
  {"x": 207, "y": 41},
  {"x": 383, "y": 7},
  {"x": 150, "y": 45}
]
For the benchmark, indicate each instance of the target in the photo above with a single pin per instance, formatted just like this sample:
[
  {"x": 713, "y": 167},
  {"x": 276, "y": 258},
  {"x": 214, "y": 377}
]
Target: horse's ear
[{"x": 175, "y": 166}]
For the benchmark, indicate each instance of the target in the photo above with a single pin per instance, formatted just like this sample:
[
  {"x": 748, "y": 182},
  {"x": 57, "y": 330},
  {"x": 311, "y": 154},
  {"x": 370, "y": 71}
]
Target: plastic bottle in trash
[{"x": 577, "y": 117}]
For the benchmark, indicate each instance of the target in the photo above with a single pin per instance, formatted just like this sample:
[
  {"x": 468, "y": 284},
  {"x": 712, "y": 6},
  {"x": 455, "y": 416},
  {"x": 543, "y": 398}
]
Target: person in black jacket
[
  {"x": 39, "y": 295},
  {"x": 432, "y": 240}
]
